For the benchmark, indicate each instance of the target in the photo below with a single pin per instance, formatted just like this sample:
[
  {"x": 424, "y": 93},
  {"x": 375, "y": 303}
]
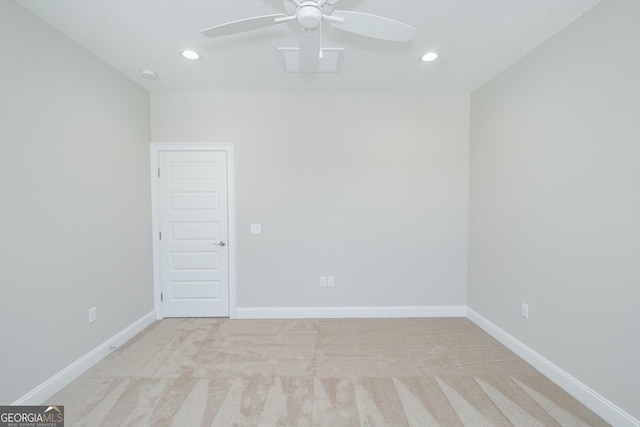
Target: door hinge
[
  {"x": 161, "y": 297},
  {"x": 158, "y": 172},
  {"x": 160, "y": 235}
]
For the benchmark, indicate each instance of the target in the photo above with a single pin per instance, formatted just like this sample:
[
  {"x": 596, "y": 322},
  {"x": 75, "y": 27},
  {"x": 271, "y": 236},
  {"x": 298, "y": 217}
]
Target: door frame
[{"x": 155, "y": 149}]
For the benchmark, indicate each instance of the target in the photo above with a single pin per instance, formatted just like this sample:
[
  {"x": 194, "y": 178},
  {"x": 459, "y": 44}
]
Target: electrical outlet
[
  {"x": 331, "y": 281},
  {"x": 524, "y": 310},
  {"x": 323, "y": 281},
  {"x": 256, "y": 228},
  {"x": 93, "y": 314}
]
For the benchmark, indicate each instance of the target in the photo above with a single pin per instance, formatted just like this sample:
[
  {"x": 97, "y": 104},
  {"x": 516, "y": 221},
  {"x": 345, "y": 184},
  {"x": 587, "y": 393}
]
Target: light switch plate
[
  {"x": 256, "y": 228},
  {"x": 524, "y": 310}
]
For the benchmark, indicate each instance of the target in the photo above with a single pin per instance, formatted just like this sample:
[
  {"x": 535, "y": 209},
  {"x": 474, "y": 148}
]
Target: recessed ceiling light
[
  {"x": 429, "y": 57},
  {"x": 190, "y": 54}
]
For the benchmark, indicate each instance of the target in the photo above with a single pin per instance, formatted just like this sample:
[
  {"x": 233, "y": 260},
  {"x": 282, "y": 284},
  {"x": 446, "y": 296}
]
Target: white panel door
[{"x": 194, "y": 234}]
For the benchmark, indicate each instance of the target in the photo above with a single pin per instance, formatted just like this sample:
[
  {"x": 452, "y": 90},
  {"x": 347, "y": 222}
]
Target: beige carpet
[{"x": 382, "y": 372}]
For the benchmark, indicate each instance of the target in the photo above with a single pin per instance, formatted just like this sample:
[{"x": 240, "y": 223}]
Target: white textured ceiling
[{"x": 476, "y": 39}]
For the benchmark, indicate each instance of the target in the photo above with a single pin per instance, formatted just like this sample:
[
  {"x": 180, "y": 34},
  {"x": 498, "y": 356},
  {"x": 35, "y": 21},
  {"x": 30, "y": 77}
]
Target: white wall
[
  {"x": 369, "y": 189},
  {"x": 555, "y": 201},
  {"x": 75, "y": 208}
]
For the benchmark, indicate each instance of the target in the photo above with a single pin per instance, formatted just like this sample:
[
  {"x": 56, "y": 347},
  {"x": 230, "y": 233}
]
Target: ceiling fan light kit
[{"x": 309, "y": 14}]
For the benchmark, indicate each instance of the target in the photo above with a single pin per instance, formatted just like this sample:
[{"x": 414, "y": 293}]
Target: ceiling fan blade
[
  {"x": 310, "y": 45},
  {"x": 377, "y": 27},
  {"x": 242, "y": 25}
]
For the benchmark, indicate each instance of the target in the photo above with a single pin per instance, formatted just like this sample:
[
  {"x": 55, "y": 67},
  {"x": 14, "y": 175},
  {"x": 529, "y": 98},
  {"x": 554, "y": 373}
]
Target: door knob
[{"x": 220, "y": 243}]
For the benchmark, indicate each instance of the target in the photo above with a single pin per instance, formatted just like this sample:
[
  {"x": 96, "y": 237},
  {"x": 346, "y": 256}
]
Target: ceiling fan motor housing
[{"x": 309, "y": 14}]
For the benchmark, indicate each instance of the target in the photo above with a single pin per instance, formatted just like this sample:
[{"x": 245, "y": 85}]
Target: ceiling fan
[{"x": 310, "y": 14}]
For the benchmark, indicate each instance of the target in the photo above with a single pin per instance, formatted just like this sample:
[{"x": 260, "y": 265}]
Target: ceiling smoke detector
[{"x": 149, "y": 74}]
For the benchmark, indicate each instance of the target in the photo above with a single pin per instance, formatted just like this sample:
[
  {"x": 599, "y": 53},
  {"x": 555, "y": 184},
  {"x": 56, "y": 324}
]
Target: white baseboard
[
  {"x": 591, "y": 399},
  {"x": 348, "y": 312},
  {"x": 594, "y": 401},
  {"x": 65, "y": 377}
]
